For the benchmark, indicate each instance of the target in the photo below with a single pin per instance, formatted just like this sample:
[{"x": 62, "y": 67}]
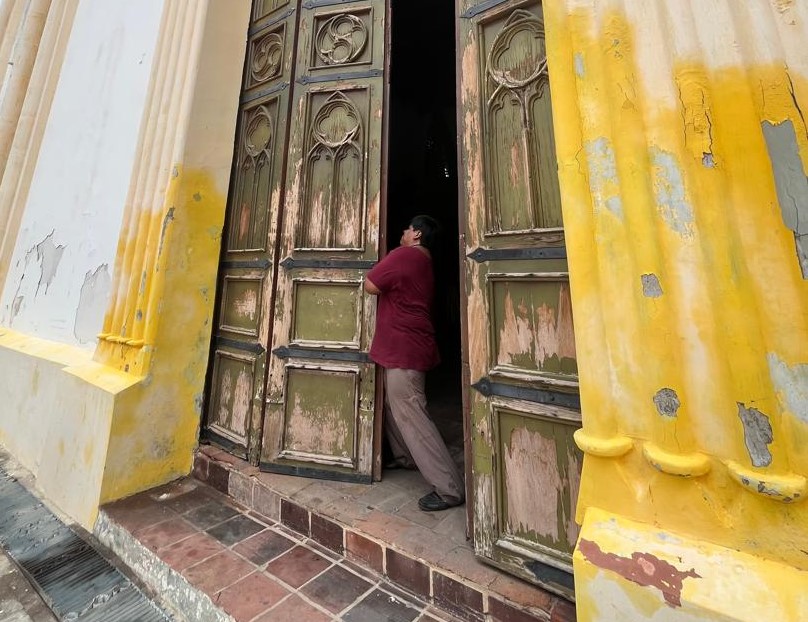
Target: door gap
[{"x": 422, "y": 179}]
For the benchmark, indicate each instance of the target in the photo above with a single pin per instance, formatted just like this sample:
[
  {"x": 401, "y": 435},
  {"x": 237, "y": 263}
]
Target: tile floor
[{"x": 256, "y": 569}]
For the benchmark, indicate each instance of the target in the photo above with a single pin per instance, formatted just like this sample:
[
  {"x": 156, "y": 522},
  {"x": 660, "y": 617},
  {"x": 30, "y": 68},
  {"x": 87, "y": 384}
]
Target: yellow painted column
[
  {"x": 683, "y": 152},
  {"x": 158, "y": 324}
]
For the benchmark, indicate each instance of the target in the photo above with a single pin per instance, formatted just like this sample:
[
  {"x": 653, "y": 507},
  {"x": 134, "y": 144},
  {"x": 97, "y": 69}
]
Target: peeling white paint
[
  {"x": 651, "y": 287},
  {"x": 791, "y": 384},
  {"x": 73, "y": 214},
  {"x": 603, "y": 180},
  {"x": 669, "y": 188},
  {"x": 580, "y": 68},
  {"x": 92, "y": 303}
]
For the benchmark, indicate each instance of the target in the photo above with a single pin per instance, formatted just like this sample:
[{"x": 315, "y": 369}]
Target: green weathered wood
[
  {"x": 245, "y": 293},
  {"x": 321, "y": 390},
  {"x": 525, "y": 465}
]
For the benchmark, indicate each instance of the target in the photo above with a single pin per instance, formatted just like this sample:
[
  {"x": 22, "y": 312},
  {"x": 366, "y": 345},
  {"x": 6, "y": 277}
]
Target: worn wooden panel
[
  {"x": 265, "y": 8},
  {"x": 241, "y": 304},
  {"x": 231, "y": 399},
  {"x": 520, "y": 337},
  {"x": 327, "y": 313},
  {"x": 330, "y": 236},
  {"x": 540, "y": 471},
  {"x": 531, "y": 322},
  {"x": 520, "y": 157},
  {"x": 334, "y": 200},
  {"x": 251, "y": 224},
  {"x": 320, "y": 416}
]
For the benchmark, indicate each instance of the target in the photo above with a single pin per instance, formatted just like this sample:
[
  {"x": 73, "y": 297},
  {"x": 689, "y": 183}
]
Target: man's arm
[{"x": 370, "y": 288}]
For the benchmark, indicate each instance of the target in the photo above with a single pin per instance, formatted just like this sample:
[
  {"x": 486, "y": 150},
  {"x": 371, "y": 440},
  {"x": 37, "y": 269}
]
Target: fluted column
[
  {"x": 35, "y": 33},
  {"x": 131, "y": 319},
  {"x": 683, "y": 152}
]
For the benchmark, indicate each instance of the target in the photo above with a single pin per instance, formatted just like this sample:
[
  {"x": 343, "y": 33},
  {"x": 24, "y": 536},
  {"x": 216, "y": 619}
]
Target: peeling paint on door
[{"x": 531, "y": 478}]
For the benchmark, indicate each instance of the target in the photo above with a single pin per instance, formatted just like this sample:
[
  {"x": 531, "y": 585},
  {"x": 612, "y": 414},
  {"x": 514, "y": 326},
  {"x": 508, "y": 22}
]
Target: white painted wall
[{"x": 60, "y": 277}]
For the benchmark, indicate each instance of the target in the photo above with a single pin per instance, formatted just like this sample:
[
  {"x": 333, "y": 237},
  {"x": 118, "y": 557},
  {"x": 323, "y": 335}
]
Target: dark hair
[{"x": 429, "y": 229}]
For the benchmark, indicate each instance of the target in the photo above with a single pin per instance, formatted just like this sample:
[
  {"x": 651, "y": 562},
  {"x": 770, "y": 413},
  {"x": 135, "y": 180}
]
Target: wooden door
[
  {"x": 524, "y": 402},
  {"x": 321, "y": 385},
  {"x": 241, "y": 335}
]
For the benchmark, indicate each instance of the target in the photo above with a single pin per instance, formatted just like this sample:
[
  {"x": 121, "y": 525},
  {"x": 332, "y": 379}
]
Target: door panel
[
  {"x": 520, "y": 341},
  {"x": 242, "y": 331},
  {"x": 321, "y": 385}
]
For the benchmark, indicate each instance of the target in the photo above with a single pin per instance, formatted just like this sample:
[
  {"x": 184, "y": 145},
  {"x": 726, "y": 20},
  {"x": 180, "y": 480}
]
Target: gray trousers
[{"x": 413, "y": 437}]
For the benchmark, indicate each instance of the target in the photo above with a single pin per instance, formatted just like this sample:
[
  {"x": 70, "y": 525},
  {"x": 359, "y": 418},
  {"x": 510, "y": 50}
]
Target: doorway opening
[{"x": 422, "y": 179}]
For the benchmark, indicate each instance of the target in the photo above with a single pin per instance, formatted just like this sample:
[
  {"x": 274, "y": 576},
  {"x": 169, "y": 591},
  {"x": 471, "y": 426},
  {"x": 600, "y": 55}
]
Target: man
[{"x": 404, "y": 344}]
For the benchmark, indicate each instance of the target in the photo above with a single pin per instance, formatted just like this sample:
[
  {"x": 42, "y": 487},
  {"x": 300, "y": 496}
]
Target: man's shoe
[
  {"x": 433, "y": 502},
  {"x": 399, "y": 464}
]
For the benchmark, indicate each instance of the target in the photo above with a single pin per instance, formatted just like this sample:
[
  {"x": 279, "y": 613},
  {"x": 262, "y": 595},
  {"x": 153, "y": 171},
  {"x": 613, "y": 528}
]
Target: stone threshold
[{"x": 414, "y": 557}]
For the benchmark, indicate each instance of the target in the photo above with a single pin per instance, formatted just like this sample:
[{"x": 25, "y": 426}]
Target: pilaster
[{"x": 682, "y": 156}]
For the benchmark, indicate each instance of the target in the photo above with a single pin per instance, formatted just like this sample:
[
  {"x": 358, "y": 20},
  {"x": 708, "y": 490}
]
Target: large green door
[
  {"x": 520, "y": 343},
  {"x": 321, "y": 386},
  {"x": 249, "y": 258}
]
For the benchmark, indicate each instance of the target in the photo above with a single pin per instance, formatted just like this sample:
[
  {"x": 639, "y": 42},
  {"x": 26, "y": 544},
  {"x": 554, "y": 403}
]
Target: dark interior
[{"x": 422, "y": 178}]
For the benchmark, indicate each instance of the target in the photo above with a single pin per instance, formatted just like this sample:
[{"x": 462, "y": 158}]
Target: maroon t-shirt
[{"x": 405, "y": 337}]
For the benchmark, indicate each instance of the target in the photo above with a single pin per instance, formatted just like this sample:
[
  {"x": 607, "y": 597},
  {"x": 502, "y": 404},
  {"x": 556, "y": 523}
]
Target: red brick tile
[
  {"x": 462, "y": 562},
  {"x": 297, "y": 566},
  {"x": 165, "y": 534},
  {"x": 251, "y": 596},
  {"x": 216, "y": 573},
  {"x": 335, "y": 589},
  {"x": 218, "y": 476},
  {"x": 241, "y": 488},
  {"x": 522, "y": 593},
  {"x": 328, "y": 533},
  {"x": 564, "y": 611},
  {"x": 295, "y": 517},
  {"x": 384, "y": 527},
  {"x": 190, "y": 500},
  {"x": 503, "y": 612},
  {"x": 266, "y": 502},
  {"x": 264, "y": 547},
  {"x": 294, "y": 609},
  {"x": 229, "y": 459},
  {"x": 201, "y": 462},
  {"x": 408, "y": 572},
  {"x": 190, "y": 551},
  {"x": 365, "y": 551},
  {"x": 456, "y": 596},
  {"x": 138, "y": 512}
]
